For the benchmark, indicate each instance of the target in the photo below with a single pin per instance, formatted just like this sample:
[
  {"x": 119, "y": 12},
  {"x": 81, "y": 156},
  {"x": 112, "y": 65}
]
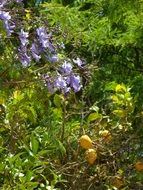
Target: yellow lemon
[
  {"x": 106, "y": 135},
  {"x": 85, "y": 142},
  {"x": 90, "y": 156},
  {"x": 139, "y": 166}
]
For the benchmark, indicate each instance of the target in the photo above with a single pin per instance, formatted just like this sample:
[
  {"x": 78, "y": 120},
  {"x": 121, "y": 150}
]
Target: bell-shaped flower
[
  {"x": 35, "y": 52},
  {"x": 9, "y": 27},
  {"x": 24, "y": 58},
  {"x": 60, "y": 84},
  {"x": 43, "y": 36},
  {"x": 74, "y": 82},
  {"x": 23, "y": 37},
  {"x": 54, "y": 58},
  {"x": 44, "y": 39},
  {"x": 4, "y": 15},
  {"x": 66, "y": 68},
  {"x": 49, "y": 83},
  {"x": 78, "y": 62}
]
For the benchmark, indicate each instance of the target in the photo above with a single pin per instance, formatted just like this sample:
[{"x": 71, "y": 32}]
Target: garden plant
[{"x": 71, "y": 94}]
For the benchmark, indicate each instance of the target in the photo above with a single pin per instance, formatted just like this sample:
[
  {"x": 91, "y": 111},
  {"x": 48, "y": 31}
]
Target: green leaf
[
  {"x": 2, "y": 167},
  {"x": 31, "y": 185},
  {"x": 58, "y": 99},
  {"x": 94, "y": 108},
  {"x": 120, "y": 88},
  {"x": 94, "y": 116},
  {"x": 110, "y": 86},
  {"x": 61, "y": 147},
  {"x": 34, "y": 144},
  {"x": 120, "y": 113},
  {"x": 29, "y": 175},
  {"x": 57, "y": 113}
]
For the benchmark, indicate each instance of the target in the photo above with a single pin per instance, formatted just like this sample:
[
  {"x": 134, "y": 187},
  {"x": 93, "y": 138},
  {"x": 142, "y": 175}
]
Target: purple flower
[
  {"x": 44, "y": 39},
  {"x": 61, "y": 45},
  {"x": 50, "y": 87},
  {"x": 66, "y": 90},
  {"x": 19, "y": 1},
  {"x": 2, "y": 3},
  {"x": 23, "y": 37},
  {"x": 49, "y": 83},
  {"x": 5, "y": 16},
  {"x": 51, "y": 47},
  {"x": 43, "y": 36},
  {"x": 78, "y": 62},
  {"x": 35, "y": 51},
  {"x": 23, "y": 56},
  {"x": 61, "y": 84},
  {"x": 54, "y": 58},
  {"x": 66, "y": 68},
  {"x": 74, "y": 82},
  {"x": 25, "y": 59},
  {"x": 41, "y": 32},
  {"x": 22, "y": 49},
  {"x": 9, "y": 27}
]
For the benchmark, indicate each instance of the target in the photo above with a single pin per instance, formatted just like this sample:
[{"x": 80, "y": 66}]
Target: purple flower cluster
[
  {"x": 65, "y": 80},
  {"x": 6, "y": 18},
  {"x": 41, "y": 45},
  {"x": 38, "y": 45},
  {"x": 23, "y": 36},
  {"x": 74, "y": 82},
  {"x": 43, "y": 37},
  {"x": 8, "y": 24},
  {"x": 23, "y": 56},
  {"x": 66, "y": 68},
  {"x": 46, "y": 45},
  {"x": 25, "y": 59}
]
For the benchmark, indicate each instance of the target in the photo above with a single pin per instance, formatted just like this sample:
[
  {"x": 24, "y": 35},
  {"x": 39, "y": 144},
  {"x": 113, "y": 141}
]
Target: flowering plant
[{"x": 38, "y": 45}]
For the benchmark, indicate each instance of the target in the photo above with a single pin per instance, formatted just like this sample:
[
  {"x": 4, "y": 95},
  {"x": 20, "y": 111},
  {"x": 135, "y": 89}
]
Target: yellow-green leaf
[
  {"x": 58, "y": 100},
  {"x": 94, "y": 116},
  {"x": 120, "y": 88},
  {"x": 120, "y": 113}
]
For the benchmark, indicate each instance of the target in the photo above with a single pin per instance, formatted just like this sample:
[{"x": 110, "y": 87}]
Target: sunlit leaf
[
  {"x": 120, "y": 113},
  {"x": 34, "y": 144},
  {"x": 94, "y": 116},
  {"x": 58, "y": 100},
  {"x": 120, "y": 88}
]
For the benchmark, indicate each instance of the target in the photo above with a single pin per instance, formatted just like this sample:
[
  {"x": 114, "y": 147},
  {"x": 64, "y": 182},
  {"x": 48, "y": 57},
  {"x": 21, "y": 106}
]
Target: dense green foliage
[{"x": 39, "y": 131}]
